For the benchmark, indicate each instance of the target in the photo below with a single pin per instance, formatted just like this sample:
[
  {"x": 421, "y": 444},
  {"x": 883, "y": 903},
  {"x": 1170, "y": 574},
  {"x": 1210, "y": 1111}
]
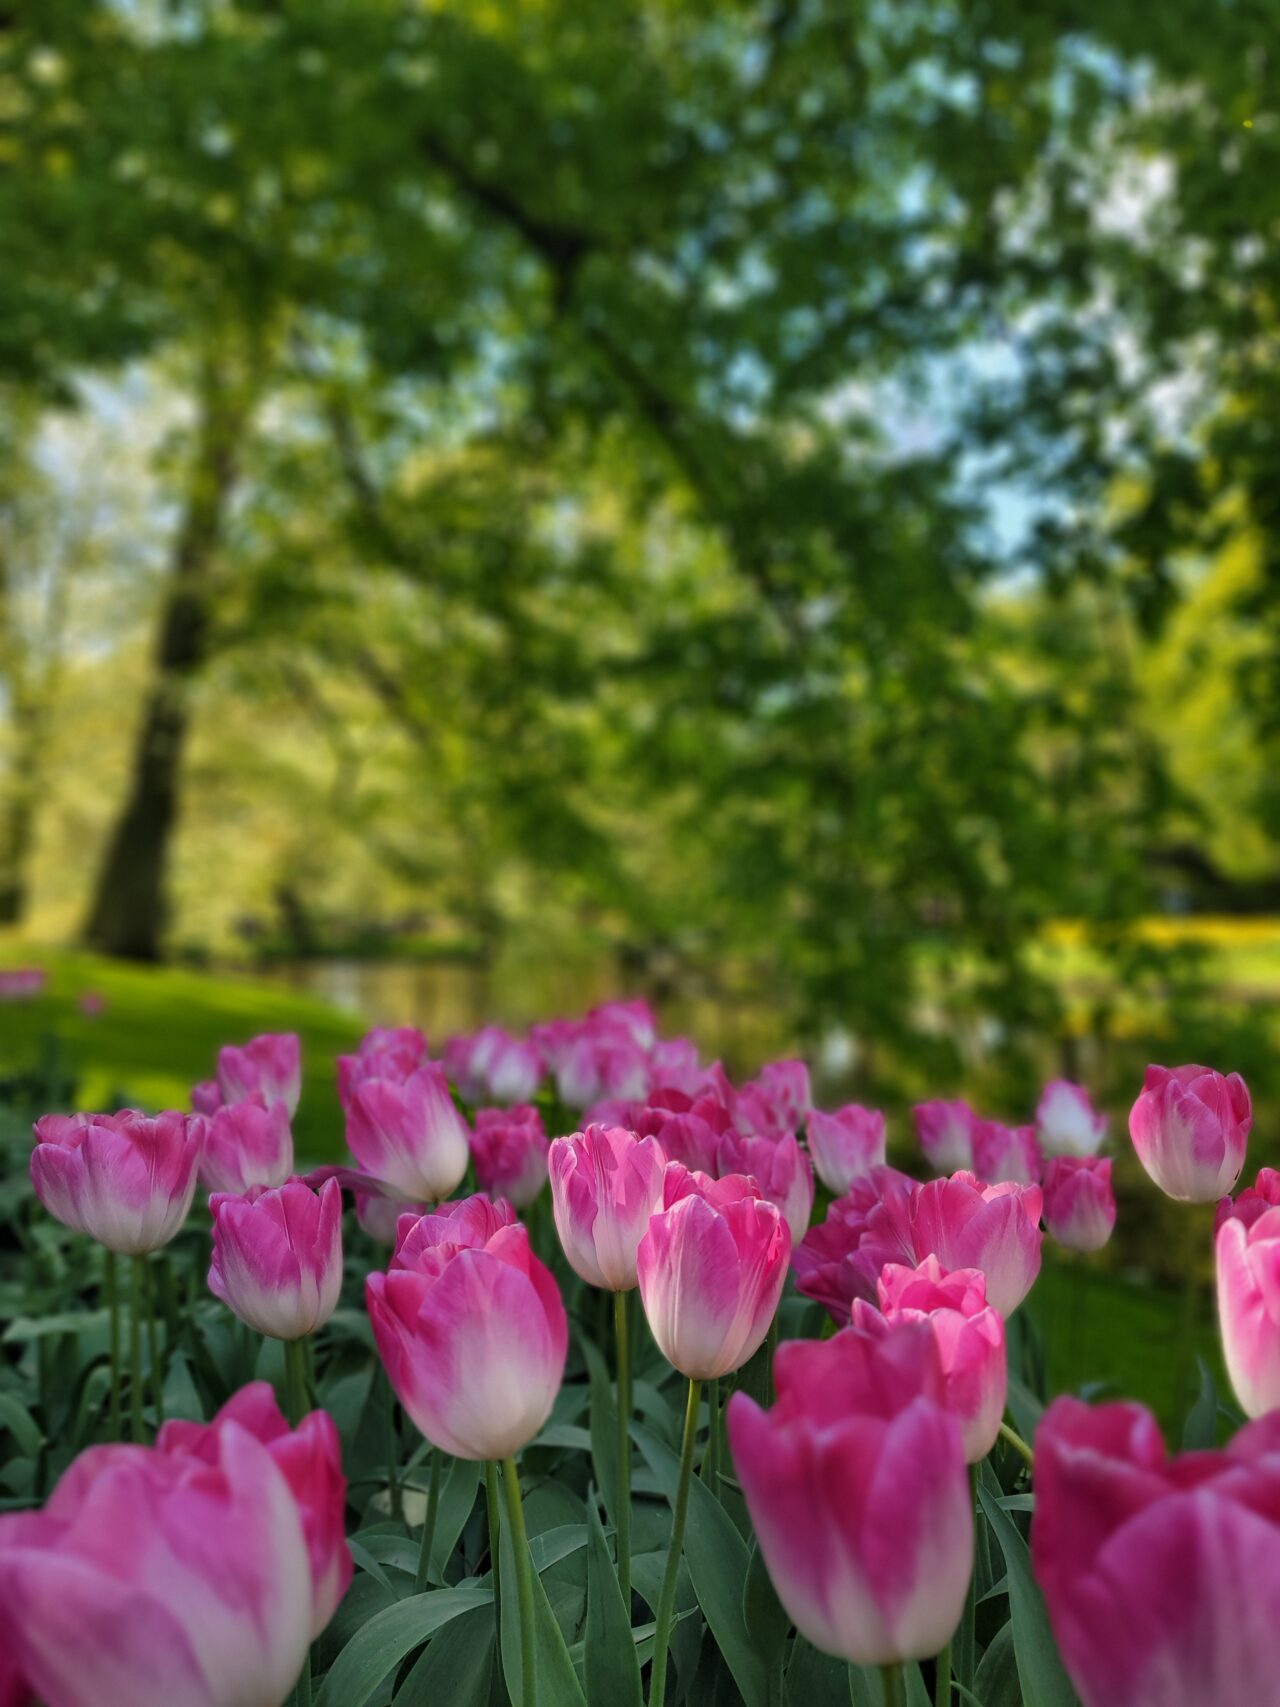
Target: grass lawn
[{"x": 160, "y": 1031}]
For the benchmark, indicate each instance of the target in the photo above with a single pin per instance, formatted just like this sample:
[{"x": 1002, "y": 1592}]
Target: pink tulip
[
  {"x": 1006, "y": 1153},
  {"x": 410, "y": 1134},
  {"x": 311, "y": 1459},
  {"x": 675, "y": 1066},
  {"x": 711, "y": 1271},
  {"x": 1253, "y": 1202},
  {"x": 1067, "y": 1123},
  {"x": 277, "y": 1256},
  {"x": 384, "y": 1053},
  {"x": 510, "y": 1150},
  {"x": 945, "y": 1130},
  {"x": 270, "y": 1065},
  {"x": 1249, "y": 1309},
  {"x": 434, "y": 1237},
  {"x": 1079, "y": 1204},
  {"x": 125, "y": 1179},
  {"x": 472, "y": 1330},
  {"x": 1159, "y": 1574},
  {"x": 995, "y": 1228},
  {"x": 689, "y": 1131},
  {"x": 176, "y": 1577},
  {"x": 13, "y": 1691},
  {"x": 776, "y": 1102},
  {"x": 846, "y": 1145},
  {"x": 856, "y": 1486},
  {"x": 206, "y": 1098},
  {"x": 633, "y": 1019},
  {"x": 970, "y": 1336},
  {"x": 780, "y": 1168},
  {"x": 605, "y": 1184},
  {"x": 841, "y": 1259},
  {"x": 246, "y": 1144},
  {"x": 1189, "y": 1127}
]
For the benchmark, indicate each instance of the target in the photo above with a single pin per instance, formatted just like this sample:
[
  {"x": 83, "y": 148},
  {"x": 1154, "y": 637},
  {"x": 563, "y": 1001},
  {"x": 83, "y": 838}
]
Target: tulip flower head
[
  {"x": 125, "y": 1179},
  {"x": 1190, "y": 1127},
  {"x": 1067, "y": 1122},
  {"x": 780, "y": 1168},
  {"x": 510, "y": 1147},
  {"x": 995, "y": 1228},
  {"x": 775, "y": 1102},
  {"x": 1248, "y": 1255},
  {"x": 856, "y": 1486},
  {"x": 1006, "y": 1153},
  {"x": 846, "y": 1145},
  {"x": 409, "y": 1134},
  {"x": 1253, "y": 1202},
  {"x": 1159, "y": 1574},
  {"x": 841, "y": 1258},
  {"x": 1079, "y": 1204},
  {"x": 471, "y": 1329},
  {"x": 605, "y": 1185},
  {"x": 711, "y": 1270},
  {"x": 945, "y": 1130},
  {"x": 384, "y": 1053},
  {"x": 277, "y": 1256},
  {"x": 269, "y": 1066},
  {"x": 246, "y": 1143}
]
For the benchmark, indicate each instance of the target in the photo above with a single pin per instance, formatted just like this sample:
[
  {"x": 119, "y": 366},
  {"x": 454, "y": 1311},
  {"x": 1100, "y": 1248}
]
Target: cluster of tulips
[{"x": 198, "y": 1569}]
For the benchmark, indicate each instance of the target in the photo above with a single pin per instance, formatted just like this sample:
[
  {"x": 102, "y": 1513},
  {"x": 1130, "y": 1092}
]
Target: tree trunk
[{"x": 128, "y": 914}]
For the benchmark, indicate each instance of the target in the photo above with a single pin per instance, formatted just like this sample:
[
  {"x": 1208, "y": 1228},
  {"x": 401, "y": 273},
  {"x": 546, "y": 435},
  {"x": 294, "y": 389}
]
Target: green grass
[{"x": 161, "y": 1031}]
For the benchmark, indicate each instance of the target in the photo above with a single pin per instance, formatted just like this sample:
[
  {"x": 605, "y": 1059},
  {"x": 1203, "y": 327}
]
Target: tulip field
[{"x": 590, "y": 1378}]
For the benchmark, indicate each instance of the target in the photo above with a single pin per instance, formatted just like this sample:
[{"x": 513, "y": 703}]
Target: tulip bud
[
  {"x": 1159, "y": 1574},
  {"x": 277, "y": 1256},
  {"x": 1079, "y": 1204},
  {"x": 1249, "y": 1308},
  {"x": 471, "y": 1329},
  {"x": 781, "y": 1170},
  {"x": 1067, "y": 1122},
  {"x": 246, "y": 1144},
  {"x": 711, "y": 1271},
  {"x": 410, "y": 1134},
  {"x": 605, "y": 1184},
  {"x": 856, "y": 1487},
  {"x": 846, "y": 1145},
  {"x": 1189, "y": 1127},
  {"x": 945, "y": 1130},
  {"x": 1253, "y": 1202},
  {"x": 124, "y": 1179},
  {"x": 1006, "y": 1153},
  {"x": 995, "y": 1228},
  {"x": 269, "y": 1066},
  {"x": 509, "y": 1146}
]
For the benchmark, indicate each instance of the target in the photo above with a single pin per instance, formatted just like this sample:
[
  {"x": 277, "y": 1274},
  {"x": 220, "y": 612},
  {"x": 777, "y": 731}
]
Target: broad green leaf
[
  {"x": 1200, "y": 1429},
  {"x": 612, "y": 1667},
  {"x": 385, "y": 1640},
  {"x": 762, "y": 1611},
  {"x": 17, "y": 1419},
  {"x": 1044, "y": 1682},
  {"x": 996, "y": 1683},
  {"x": 815, "y": 1679},
  {"x": 557, "y": 1680},
  {"x": 603, "y": 1429},
  {"x": 457, "y": 1668}
]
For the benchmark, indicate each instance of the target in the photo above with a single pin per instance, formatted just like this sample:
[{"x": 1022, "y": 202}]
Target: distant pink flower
[
  {"x": 1253, "y": 1202},
  {"x": 856, "y": 1487},
  {"x": 246, "y": 1144},
  {"x": 125, "y": 1179},
  {"x": 780, "y": 1168},
  {"x": 674, "y": 1063},
  {"x": 711, "y": 1271},
  {"x": 945, "y": 1130},
  {"x": 775, "y": 1102},
  {"x": 270, "y": 1065},
  {"x": 206, "y": 1098},
  {"x": 605, "y": 1185},
  {"x": 472, "y": 1331},
  {"x": 277, "y": 1256},
  {"x": 23, "y": 983},
  {"x": 1190, "y": 1127},
  {"x": 634, "y": 1019},
  {"x": 1067, "y": 1123},
  {"x": 1249, "y": 1308},
  {"x": 1079, "y": 1204},
  {"x": 1159, "y": 1574},
  {"x": 92, "y": 1004},
  {"x": 845, "y": 1145},
  {"x": 384, "y": 1053},
  {"x": 995, "y": 1228},
  {"x": 1006, "y": 1153},
  {"x": 841, "y": 1258},
  {"x": 410, "y": 1134},
  {"x": 509, "y": 1147}
]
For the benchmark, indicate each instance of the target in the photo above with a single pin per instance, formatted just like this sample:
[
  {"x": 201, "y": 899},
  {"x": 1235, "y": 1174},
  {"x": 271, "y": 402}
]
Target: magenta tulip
[
  {"x": 945, "y": 1131},
  {"x": 776, "y": 1102},
  {"x": 1159, "y": 1574},
  {"x": 510, "y": 1147},
  {"x": 1006, "y": 1153},
  {"x": 206, "y": 1098},
  {"x": 246, "y": 1144},
  {"x": 384, "y": 1053},
  {"x": 277, "y": 1256},
  {"x": 125, "y": 1179},
  {"x": 268, "y": 1066},
  {"x": 841, "y": 1258},
  {"x": 676, "y": 1066},
  {"x": 846, "y": 1145},
  {"x": 13, "y": 1690},
  {"x": 194, "y": 1577},
  {"x": 1079, "y": 1204},
  {"x": 780, "y": 1168},
  {"x": 1253, "y": 1202},
  {"x": 1249, "y": 1308},
  {"x": 472, "y": 1331},
  {"x": 410, "y": 1134},
  {"x": 711, "y": 1271},
  {"x": 995, "y": 1228},
  {"x": 970, "y": 1336},
  {"x": 1189, "y": 1127},
  {"x": 856, "y": 1486},
  {"x": 1067, "y": 1122},
  {"x": 605, "y": 1185},
  {"x": 311, "y": 1460}
]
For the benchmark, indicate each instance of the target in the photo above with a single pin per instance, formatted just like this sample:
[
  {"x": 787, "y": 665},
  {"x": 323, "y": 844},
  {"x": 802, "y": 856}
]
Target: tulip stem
[
  {"x": 113, "y": 1309},
  {"x": 135, "y": 1352},
  {"x": 623, "y": 1515},
  {"x": 893, "y": 1681},
  {"x": 153, "y": 1339},
  {"x": 1011, "y": 1438},
  {"x": 295, "y": 1379},
  {"x": 942, "y": 1683},
  {"x": 491, "y": 1512},
  {"x": 667, "y": 1598},
  {"x": 393, "y": 1449},
  {"x": 524, "y": 1584},
  {"x": 429, "y": 1524},
  {"x": 711, "y": 1454}
]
